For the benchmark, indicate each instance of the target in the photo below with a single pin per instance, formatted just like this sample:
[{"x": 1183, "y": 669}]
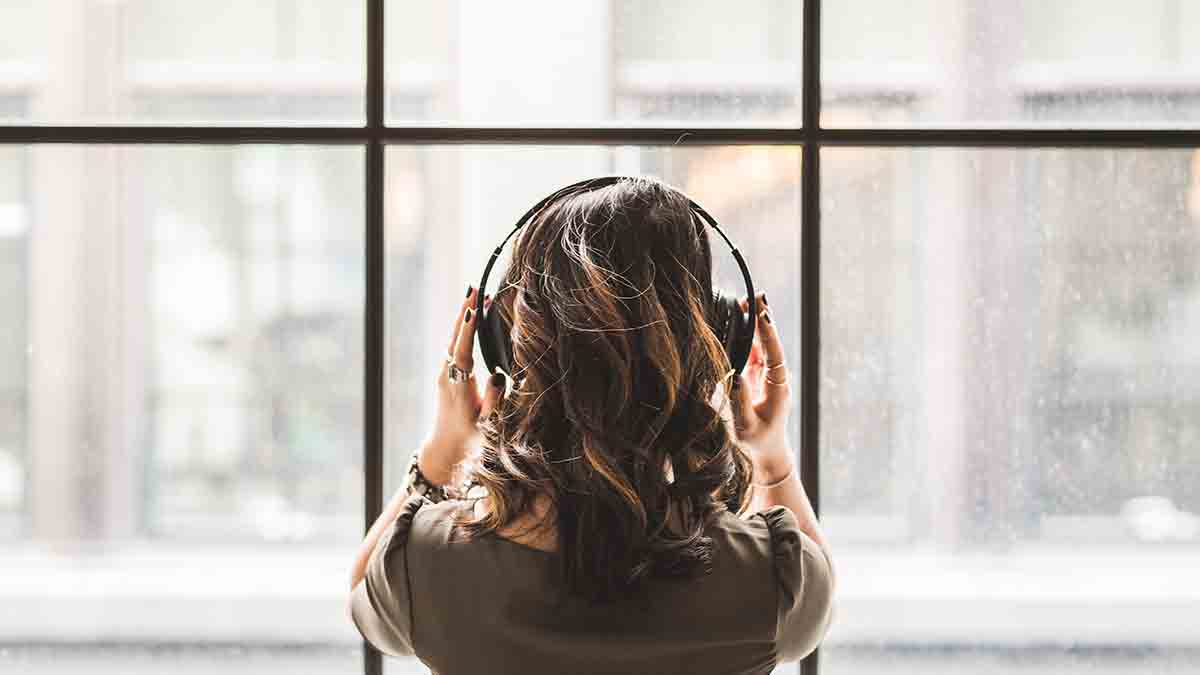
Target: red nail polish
[
  {"x": 467, "y": 316},
  {"x": 764, "y": 299},
  {"x": 767, "y": 316},
  {"x": 469, "y": 287}
]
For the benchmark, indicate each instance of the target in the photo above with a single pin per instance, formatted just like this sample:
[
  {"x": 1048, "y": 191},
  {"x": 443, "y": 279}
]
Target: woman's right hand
[{"x": 762, "y": 395}]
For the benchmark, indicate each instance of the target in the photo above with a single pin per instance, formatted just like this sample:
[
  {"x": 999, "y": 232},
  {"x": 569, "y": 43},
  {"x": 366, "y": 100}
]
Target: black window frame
[{"x": 810, "y": 137}]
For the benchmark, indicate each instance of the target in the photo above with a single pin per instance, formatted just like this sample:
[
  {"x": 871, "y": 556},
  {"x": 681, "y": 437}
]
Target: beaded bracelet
[{"x": 417, "y": 482}]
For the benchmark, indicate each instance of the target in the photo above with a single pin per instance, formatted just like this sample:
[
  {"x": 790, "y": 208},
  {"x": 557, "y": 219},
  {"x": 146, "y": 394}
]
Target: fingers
[
  {"x": 765, "y": 330},
  {"x": 464, "y": 347},
  {"x": 776, "y": 389},
  {"x": 458, "y": 320},
  {"x": 754, "y": 364},
  {"x": 756, "y": 350},
  {"x": 497, "y": 384}
]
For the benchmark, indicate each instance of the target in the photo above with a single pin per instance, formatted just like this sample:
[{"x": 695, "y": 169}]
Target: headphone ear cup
[
  {"x": 495, "y": 340},
  {"x": 733, "y": 328}
]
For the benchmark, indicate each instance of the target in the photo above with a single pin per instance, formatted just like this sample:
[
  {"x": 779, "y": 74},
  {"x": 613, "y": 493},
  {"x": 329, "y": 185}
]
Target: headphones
[{"x": 734, "y": 328}]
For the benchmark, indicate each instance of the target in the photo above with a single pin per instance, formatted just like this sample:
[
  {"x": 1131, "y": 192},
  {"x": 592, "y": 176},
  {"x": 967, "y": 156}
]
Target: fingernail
[
  {"x": 469, "y": 289},
  {"x": 764, "y": 299},
  {"x": 767, "y": 316},
  {"x": 498, "y": 380},
  {"x": 467, "y": 316}
]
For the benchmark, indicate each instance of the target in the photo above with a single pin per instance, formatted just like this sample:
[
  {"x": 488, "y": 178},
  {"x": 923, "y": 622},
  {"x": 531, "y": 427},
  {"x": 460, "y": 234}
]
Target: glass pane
[
  {"x": 595, "y": 61},
  {"x": 1010, "y": 415},
  {"x": 180, "y": 384},
  {"x": 181, "y": 62},
  {"x": 449, "y": 207},
  {"x": 1074, "y": 63}
]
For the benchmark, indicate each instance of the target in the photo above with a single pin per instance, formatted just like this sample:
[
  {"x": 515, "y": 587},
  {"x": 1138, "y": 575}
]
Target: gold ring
[
  {"x": 777, "y": 365},
  {"x": 770, "y": 381}
]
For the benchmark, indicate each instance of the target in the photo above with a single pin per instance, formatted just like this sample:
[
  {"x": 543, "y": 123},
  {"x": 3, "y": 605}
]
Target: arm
[
  {"x": 381, "y": 523},
  {"x": 769, "y": 469},
  {"x": 459, "y": 407},
  {"x": 439, "y": 469},
  {"x": 761, "y": 407}
]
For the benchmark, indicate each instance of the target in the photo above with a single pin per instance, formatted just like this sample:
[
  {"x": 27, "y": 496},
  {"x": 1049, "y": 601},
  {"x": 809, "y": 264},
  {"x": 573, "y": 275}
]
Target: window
[
  {"x": 1077, "y": 63},
  {"x": 177, "y": 62},
  {"x": 231, "y": 234},
  {"x": 1013, "y": 323},
  {"x": 183, "y": 407}
]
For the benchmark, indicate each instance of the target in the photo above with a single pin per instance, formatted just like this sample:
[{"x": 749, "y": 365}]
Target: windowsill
[
  {"x": 207, "y": 595},
  {"x": 1032, "y": 595},
  {"x": 1029, "y": 595}
]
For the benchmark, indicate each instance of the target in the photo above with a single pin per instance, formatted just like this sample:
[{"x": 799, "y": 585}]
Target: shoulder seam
[
  {"x": 412, "y": 619},
  {"x": 425, "y": 504},
  {"x": 778, "y": 584}
]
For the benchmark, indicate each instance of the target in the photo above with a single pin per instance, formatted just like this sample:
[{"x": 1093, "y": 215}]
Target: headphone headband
[{"x": 741, "y": 353}]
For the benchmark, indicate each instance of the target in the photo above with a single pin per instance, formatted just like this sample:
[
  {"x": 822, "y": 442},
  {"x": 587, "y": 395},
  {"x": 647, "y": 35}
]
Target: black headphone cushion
[
  {"x": 495, "y": 339},
  {"x": 733, "y": 328}
]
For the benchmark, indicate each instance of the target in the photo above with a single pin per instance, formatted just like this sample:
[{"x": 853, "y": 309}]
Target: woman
[{"x": 628, "y": 507}]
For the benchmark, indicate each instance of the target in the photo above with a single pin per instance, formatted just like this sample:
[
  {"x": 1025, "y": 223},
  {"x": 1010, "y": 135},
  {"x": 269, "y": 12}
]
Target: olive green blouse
[{"x": 492, "y": 605}]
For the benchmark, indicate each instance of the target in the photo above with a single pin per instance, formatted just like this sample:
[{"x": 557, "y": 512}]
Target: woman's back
[
  {"x": 493, "y": 605},
  {"x": 648, "y": 411}
]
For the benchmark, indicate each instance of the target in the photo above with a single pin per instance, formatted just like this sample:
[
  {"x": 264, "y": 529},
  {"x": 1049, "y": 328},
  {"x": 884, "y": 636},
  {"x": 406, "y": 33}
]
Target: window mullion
[
  {"x": 810, "y": 273},
  {"x": 373, "y": 314}
]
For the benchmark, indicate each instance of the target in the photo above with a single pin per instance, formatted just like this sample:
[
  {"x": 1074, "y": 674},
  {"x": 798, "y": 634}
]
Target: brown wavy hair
[{"x": 611, "y": 413}]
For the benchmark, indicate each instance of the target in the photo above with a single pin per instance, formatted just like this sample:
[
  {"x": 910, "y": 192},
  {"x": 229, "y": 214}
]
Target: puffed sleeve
[
  {"x": 381, "y": 604},
  {"x": 805, "y": 579}
]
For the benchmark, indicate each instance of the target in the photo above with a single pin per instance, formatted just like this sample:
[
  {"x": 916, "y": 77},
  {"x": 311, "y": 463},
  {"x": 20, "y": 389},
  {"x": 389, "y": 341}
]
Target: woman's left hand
[{"x": 459, "y": 404}]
